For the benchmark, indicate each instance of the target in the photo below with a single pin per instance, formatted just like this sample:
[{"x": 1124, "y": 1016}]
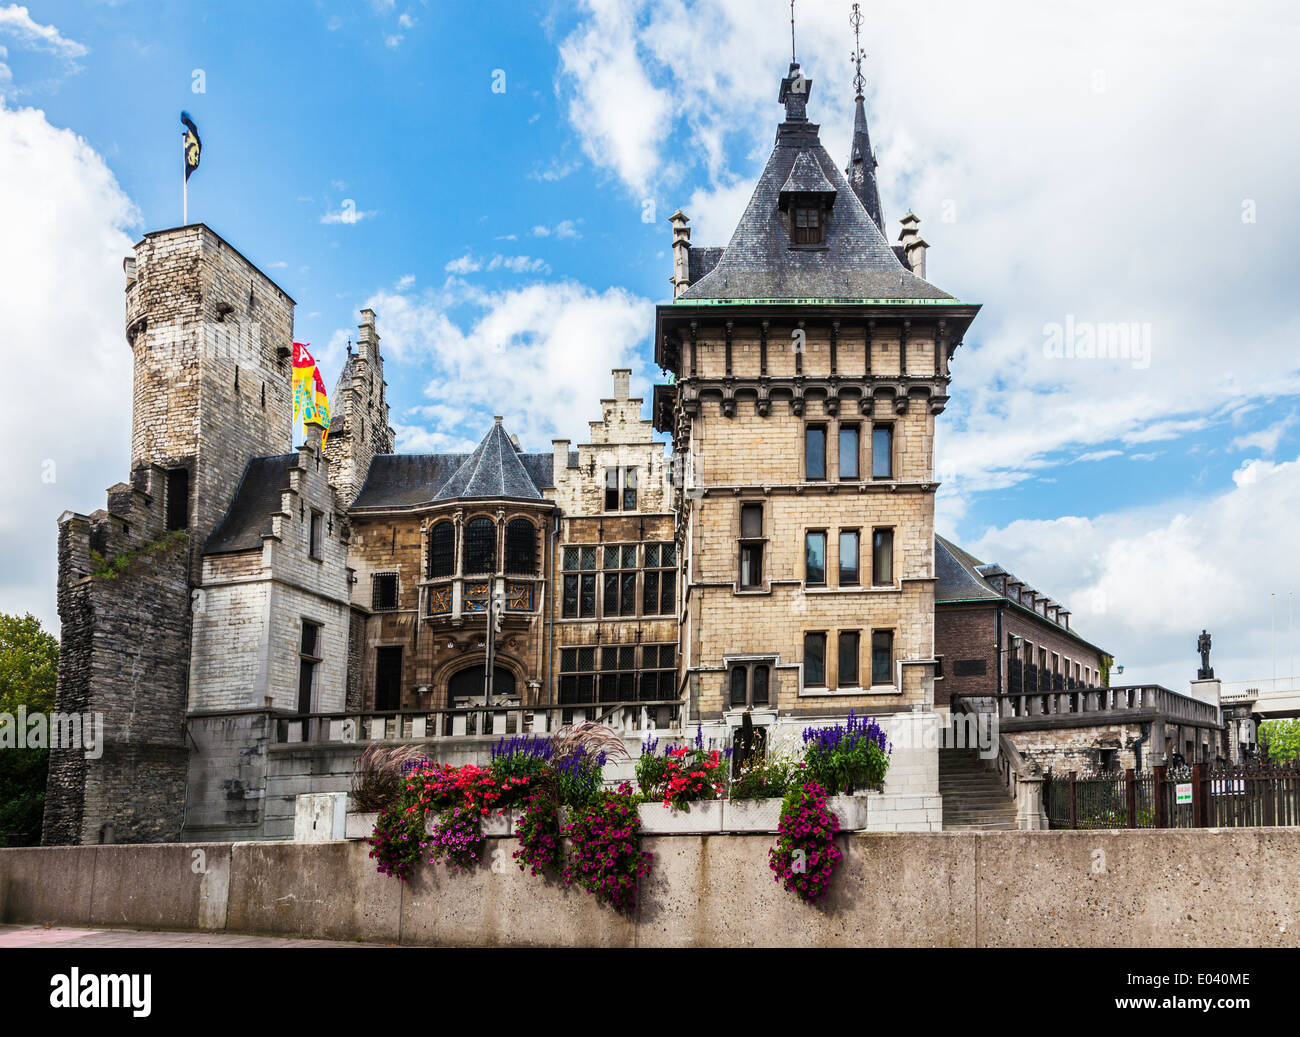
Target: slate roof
[
  {"x": 960, "y": 576},
  {"x": 806, "y": 177},
  {"x": 257, "y": 499},
  {"x": 759, "y": 262},
  {"x": 861, "y": 169},
  {"x": 956, "y": 575},
  {"x": 701, "y": 260},
  {"x": 495, "y": 470}
]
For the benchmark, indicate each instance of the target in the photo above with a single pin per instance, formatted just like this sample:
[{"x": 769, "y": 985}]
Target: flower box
[
  {"x": 751, "y": 815},
  {"x": 360, "y": 825},
  {"x": 704, "y": 817},
  {"x": 851, "y": 811}
]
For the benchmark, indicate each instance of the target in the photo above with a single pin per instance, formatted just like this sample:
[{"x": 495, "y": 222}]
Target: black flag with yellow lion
[{"x": 191, "y": 146}]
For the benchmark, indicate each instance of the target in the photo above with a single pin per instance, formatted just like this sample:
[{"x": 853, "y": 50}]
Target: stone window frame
[
  {"x": 622, "y": 571},
  {"x": 764, "y": 585},
  {"x": 312, "y": 659},
  {"x": 840, "y": 428},
  {"x": 579, "y": 575},
  {"x": 891, "y": 427},
  {"x": 855, "y": 531},
  {"x": 491, "y": 570},
  {"x": 436, "y": 525},
  {"x": 375, "y": 577},
  {"x": 516, "y": 521},
  {"x": 823, "y": 426},
  {"x": 893, "y": 658},
  {"x": 824, "y": 533},
  {"x": 856, "y": 684},
  {"x": 821, "y": 685},
  {"x": 749, "y": 663},
  {"x": 893, "y": 556},
  {"x": 662, "y": 573},
  {"x": 621, "y": 489},
  {"x": 316, "y": 536}
]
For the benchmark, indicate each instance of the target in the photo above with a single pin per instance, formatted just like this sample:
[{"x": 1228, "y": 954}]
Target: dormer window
[
  {"x": 807, "y": 226},
  {"x": 806, "y": 200}
]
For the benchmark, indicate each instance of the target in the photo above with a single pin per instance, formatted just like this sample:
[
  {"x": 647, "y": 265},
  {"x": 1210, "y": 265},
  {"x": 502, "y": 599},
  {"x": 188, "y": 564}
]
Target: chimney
[
  {"x": 312, "y": 432},
  {"x": 681, "y": 279},
  {"x": 368, "y": 339},
  {"x": 622, "y": 376},
  {"x": 559, "y": 459},
  {"x": 913, "y": 244}
]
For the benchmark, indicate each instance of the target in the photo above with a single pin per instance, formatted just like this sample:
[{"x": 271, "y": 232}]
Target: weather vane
[
  {"x": 793, "y": 60},
  {"x": 855, "y": 19}
]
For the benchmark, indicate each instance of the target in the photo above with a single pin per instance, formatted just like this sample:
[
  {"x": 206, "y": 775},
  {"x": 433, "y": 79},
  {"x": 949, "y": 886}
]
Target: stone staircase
[{"x": 973, "y": 797}]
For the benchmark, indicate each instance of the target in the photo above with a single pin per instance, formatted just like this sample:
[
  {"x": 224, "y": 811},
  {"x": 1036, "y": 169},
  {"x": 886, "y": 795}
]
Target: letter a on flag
[{"x": 304, "y": 388}]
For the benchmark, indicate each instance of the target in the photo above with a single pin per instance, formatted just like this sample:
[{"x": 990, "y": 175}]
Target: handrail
[
  {"x": 452, "y": 722},
  {"x": 1021, "y": 778},
  {"x": 1080, "y": 699}
]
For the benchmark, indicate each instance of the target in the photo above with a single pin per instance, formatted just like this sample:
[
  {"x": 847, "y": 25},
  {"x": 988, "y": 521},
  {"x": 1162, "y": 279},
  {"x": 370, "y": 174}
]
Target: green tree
[
  {"x": 29, "y": 663},
  {"x": 1283, "y": 738}
]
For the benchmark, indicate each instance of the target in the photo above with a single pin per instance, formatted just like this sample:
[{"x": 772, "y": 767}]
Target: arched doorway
[{"x": 466, "y": 687}]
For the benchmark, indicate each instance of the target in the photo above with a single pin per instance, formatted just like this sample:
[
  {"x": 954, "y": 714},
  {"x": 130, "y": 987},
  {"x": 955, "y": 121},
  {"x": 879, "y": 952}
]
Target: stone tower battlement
[
  {"x": 211, "y": 337},
  {"x": 212, "y": 342}
]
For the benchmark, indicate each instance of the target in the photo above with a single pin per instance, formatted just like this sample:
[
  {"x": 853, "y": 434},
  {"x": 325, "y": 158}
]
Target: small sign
[{"x": 1183, "y": 792}]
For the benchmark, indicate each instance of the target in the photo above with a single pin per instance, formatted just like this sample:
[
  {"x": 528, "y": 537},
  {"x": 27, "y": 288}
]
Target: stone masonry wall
[{"x": 127, "y": 661}]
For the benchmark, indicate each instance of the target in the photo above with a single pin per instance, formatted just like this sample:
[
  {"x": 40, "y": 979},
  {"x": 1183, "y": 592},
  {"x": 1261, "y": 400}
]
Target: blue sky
[{"x": 1077, "y": 163}]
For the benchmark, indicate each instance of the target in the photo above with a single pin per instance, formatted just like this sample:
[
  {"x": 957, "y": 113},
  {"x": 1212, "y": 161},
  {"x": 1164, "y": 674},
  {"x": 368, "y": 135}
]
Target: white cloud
[
  {"x": 555, "y": 169},
  {"x": 563, "y": 229},
  {"x": 405, "y": 281},
  {"x": 393, "y": 40},
  {"x": 619, "y": 113},
  {"x": 539, "y": 354},
  {"x": 1142, "y": 583},
  {"x": 1033, "y": 232},
  {"x": 468, "y": 264},
  {"x": 1097, "y": 455},
  {"x": 67, "y": 364},
  {"x": 347, "y": 213},
  {"x": 17, "y": 22},
  {"x": 1266, "y": 439}
]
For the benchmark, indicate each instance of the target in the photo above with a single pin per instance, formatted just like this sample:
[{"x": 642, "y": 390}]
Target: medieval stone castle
[{"x": 272, "y": 607}]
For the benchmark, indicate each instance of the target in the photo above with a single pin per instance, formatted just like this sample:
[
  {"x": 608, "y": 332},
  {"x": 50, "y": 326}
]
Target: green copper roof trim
[{"x": 817, "y": 302}]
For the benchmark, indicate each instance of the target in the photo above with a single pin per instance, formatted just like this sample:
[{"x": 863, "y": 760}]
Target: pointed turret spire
[{"x": 861, "y": 170}]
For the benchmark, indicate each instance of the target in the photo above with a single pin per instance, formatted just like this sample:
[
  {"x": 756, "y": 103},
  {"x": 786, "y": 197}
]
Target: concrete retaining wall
[{"x": 1211, "y": 887}]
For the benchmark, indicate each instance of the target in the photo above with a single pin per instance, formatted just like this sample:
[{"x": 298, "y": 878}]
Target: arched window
[
  {"x": 521, "y": 546},
  {"x": 480, "y": 546},
  {"x": 442, "y": 550}
]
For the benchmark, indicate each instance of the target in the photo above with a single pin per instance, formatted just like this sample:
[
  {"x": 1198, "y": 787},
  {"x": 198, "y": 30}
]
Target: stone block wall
[
  {"x": 126, "y": 634},
  {"x": 211, "y": 337}
]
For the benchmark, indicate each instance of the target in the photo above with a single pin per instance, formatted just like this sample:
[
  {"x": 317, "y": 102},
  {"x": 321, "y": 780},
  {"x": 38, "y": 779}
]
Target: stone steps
[{"x": 973, "y": 797}]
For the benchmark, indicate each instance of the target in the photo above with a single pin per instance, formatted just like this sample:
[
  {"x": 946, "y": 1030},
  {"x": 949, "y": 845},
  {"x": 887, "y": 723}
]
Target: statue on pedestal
[{"x": 1206, "y": 672}]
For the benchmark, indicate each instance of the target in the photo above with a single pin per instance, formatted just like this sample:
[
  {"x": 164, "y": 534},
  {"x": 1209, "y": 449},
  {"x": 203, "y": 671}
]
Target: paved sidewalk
[{"x": 55, "y": 936}]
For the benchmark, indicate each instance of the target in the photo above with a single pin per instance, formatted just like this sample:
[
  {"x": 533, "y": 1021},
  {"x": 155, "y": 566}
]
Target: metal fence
[{"x": 1200, "y": 796}]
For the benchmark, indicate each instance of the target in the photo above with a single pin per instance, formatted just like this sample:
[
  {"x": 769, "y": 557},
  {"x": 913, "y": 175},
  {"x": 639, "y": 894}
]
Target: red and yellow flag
[{"x": 310, "y": 402}]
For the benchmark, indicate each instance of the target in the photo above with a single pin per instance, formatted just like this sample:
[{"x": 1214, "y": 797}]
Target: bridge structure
[{"x": 1270, "y": 698}]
